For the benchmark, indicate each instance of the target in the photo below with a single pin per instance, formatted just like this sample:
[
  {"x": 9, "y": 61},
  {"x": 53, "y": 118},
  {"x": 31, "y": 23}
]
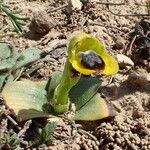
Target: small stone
[
  {"x": 119, "y": 44},
  {"x": 125, "y": 29},
  {"x": 74, "y": 5},
  {"x": 124, "y": 61},
  {"x": 103, "y": 18},
  {"x": 118, "y": 140},
  {"x": 41, "y": 23}
]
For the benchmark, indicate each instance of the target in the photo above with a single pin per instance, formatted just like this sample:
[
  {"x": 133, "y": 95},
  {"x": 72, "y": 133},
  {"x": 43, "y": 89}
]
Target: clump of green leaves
[
  {"x": 18, "y": 22},
  {"x": 10, "y": 140},
  {"x": 46, "y": 134},
  {"x": 11, "y": 62},
  {"x": 43, "y": 136}
]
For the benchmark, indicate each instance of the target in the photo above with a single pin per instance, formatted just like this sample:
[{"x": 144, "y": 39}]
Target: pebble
[
  {"x": 119, "y": 44},
  {"x": 118, "y": 140},
  {"x": 41, "y": 23},
  {"x": 124, "y": 61},
  {"x": 74, "y": 5},
  {"x": 125, "y": 29}
]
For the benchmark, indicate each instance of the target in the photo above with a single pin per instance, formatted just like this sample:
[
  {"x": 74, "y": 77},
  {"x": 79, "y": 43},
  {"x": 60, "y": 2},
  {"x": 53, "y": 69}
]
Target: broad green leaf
[
  {"x": 2, "y": 80},
  {"x": 95, "y": 109},
  {"x": 84, "y": 90},
  {"x": 8, "y": 63},
  {"x": 28, "y": 56},
  {"x": 26, "y": 98},
  {"x": 10, "y": 78},
  {"x": 40, "y": 84},
  {"x": 55, "y": 80},
  {"x": 5, "y": 50}
]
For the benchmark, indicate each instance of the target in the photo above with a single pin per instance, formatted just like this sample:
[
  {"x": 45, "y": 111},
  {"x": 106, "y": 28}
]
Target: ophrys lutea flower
[{"x": 88, "y": 56}]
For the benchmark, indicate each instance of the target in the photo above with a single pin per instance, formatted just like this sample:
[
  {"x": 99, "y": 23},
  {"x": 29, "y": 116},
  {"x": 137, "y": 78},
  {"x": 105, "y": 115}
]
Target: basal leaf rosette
[{"x": 88, "y": 56}]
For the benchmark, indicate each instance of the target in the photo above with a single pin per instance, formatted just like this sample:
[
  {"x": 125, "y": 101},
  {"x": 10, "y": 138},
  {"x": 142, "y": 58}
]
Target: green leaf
[
  {"x": 28, "y": 56},
  {"x": 55, "y": 80},
  {"x": 95, "y": 109},
  {"x": 8, "y": 63},
  {"x": 10, "y": 78},
  {"x": 47, "y": 132},
  {"x": 2, "y": 80},
  {"x": 13, "y": 140},
  {"x": 26, "y": 98},
  {"x": 84, "y": 90},
  {"x": 5, "y": 50}
]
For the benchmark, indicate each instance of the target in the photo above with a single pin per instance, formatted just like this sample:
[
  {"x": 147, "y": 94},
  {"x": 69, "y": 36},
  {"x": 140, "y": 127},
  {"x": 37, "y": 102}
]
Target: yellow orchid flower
[{"x": 88, "y": 56}]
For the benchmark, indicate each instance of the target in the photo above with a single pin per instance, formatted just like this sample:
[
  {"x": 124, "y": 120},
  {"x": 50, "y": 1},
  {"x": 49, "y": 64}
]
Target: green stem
[{"x": 60, "y": 100}]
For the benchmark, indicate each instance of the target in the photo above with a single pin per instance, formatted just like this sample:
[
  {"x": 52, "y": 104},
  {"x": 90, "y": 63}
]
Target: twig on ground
[
  {"x": 25, "y": 128},
  {"x": 103, "y": 3},
  {"x": 133, "y": 15},
  {"x": 109, "y": 3},
  {"x": 58, "y": 8},
  {"x": 13, "y": 121},
  {"x": 20, "y": 73},
  {"x": 87, "y": 133},
  {"x": 110, "y": 81},
  {"x": 131, "y": 45}
]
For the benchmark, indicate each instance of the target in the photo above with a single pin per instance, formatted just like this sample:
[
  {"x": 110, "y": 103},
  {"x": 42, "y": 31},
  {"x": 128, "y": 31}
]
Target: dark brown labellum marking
[
  {"x": 91, "y": 60},
  {"x": 75, "y": 73}
]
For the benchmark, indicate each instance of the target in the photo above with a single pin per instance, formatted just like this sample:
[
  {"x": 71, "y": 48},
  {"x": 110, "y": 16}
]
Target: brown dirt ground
[{"x": 130, "y": 129}]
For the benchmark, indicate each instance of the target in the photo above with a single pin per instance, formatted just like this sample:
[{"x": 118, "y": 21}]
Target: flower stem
[{"x": 60, "y": 99}]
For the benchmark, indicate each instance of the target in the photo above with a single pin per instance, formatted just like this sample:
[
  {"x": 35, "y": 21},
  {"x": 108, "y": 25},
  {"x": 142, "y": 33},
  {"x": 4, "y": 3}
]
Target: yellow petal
[
  {"x": 82, "y": 43},
  {"x": 77, "y": 38},
  {"x": 111, "y": 65}
]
